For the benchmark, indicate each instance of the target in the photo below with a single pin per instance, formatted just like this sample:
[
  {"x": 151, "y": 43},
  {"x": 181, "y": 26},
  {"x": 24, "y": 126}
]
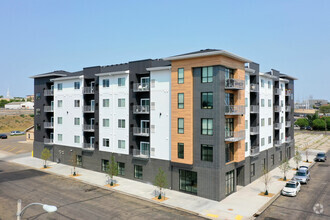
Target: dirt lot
[
  {"x": 15, "y": 122},
  {"x": 312, "y": 140}
]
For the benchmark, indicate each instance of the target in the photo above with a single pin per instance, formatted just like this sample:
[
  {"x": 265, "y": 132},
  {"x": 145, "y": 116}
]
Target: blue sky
[{"x": 40, "y": 36}]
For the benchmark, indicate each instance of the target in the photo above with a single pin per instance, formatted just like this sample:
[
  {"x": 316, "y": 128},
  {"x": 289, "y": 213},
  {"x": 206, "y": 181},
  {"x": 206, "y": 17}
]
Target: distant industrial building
[{"x": 20, "y": 105}]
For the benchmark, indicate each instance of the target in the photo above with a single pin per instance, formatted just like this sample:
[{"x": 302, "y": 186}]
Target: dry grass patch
[
  {"x": 269, "y": 194},
  {"x": 160, "y": 200},
  {"x": 15, "y": 123}
]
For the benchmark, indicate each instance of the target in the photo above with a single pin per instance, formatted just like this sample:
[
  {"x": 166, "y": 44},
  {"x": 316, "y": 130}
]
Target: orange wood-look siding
[{"x": 187, "y": 112}]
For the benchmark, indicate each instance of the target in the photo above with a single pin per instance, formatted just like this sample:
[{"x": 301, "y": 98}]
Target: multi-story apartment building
[{"x": 210, "y": 119}]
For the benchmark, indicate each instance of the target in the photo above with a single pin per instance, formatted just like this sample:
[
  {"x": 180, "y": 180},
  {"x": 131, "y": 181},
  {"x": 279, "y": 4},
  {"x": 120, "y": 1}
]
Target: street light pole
[{"x": 20, "y": 211}]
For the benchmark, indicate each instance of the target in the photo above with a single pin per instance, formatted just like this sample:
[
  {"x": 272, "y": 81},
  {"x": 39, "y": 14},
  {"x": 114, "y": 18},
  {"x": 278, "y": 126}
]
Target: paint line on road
[
  {"x": 5, "y": 148},
  {"x": 12, "y": 149}
]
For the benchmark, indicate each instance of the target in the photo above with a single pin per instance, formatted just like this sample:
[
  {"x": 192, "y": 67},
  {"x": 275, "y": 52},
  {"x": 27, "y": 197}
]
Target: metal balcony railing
[
  {"x": 89, "y": 108},
  {"x": 288, "y": 92},
  {"x": 48, "y": 92},
  {"x": 48, "y": 124},
  {"x": 234, "y": 110},
  {"x": 254, "y": 130},
  {"x": 233, "y": 136},
  {"x": 141, "y": 109},
  {"x": 48, "y": 141},
  {"x": 88, "y": 146},
  {"x": 140, "y": 131},
  {"x": 141, "y": 87},
  {"x": 254, "y": 109},
  {"x": 48, "y": 108},
  {"x": 287, "y": 123},
  {"x": 287, "y": 108},
  {"x": 89, "y": 128},
  {"x": 277, "y": 125},
  {"x": 234, "y": 84},
  {"x": 277, "y": 91},
  {"x": 89, "y": 90},
  {"x": 278, "y": 143},
  {"x": 277, "y": 108},
  {"x": 142, "y": 154},
  {"x": 254, "y": 87},
  {"x": 255, "y": 150}
]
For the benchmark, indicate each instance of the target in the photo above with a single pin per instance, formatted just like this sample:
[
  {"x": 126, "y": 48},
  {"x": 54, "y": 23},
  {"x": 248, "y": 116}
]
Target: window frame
[
  {"x": 180, "y": 78},
  {"x": 208, "y": 103},
  {"x": 181, "y": 150},
  {"x": 207, "y": 152},
  {"x": 180, "y": 104},
  {"x": 208, "y": 77},
  {"x": 180, "y": 129},
  {"x": 207, "y": 131},
  {"x": 138, "y": 173}
]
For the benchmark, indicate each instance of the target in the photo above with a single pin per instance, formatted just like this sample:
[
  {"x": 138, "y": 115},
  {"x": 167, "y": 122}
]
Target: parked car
[
  {"x": 3, "y": 136},
  {"x": 16, "y": 132},
  {"x": 303, "y": 168},
  {"x": 291, "y": 188},
  {"x": 321, "y": 157},
  {"x": 302, "y": 175},
  {"x": 309, "y": 128}
]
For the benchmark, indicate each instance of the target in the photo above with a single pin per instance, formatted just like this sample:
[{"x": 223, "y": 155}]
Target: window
[
  {"x": 105, "y": 165},
  {"x": 106, "y": 142},
  {"x": 121, "y": 102},
  {"x": 207, "y": 100},
  {"x": 262, "y": 102},
  {"x": 181, "y": 150},
  {"x": 262, "y": 83},
  {"x": 229, "y": 98},
  {"x": 59, "y": 137},
  {"x": 269, "y": 84},
  {"x": 77, "y": 139},
  {"x": 246, "y": 124},
  {"x": 180, "y": 126},
  {"x": 262, "y": 141},
  {"x": 253, "y": 169},
  {"x": 229, "y": 150},
  {"x": 246, "y": 102},
  {"x": 121, "y": 168},
  {"x": 269, "y": 121},
  {"x": 262, "y": 122},
  {"x": 247, "y": 79},
  {"x": 106, "y": 102},
  {"x": 79, "y": 160},
  {"x": 269, "y": 139},
  {"x": 38, "y": 95},
  {"x": 282, "y": 87},
  {"x": 76, "y": 121},
  {"x": 38, "y": 127},
  {"x": 207, "y": 126},
  {"x": 59, "y": 86},
  {"x": 180, "y": 100},
  {"x": 106, "y": 122},
  {"x": 180, "y": 75},
  {"x": 59, "y": 120},
  {"x": 138, "y": 172},
  {"x": 272, "y": 159},
  {"x": 282, "y": 135},
  {"x": 229, "y": 182},
  {"x": 121, "y": 144},
  {"x": 246, "y": 146},
  {"x": 121, "y": 81},
  {"x": 38, "y": 111},
  {"x": 121, "y": 123},
  {"x": 207, "y": 153},
  {"x": 59, "y": 103},
  {"x": 282, "y": 104},
  {"x": 76, "y": 85},
  {"x": 282, "y": 119},
  {"x": 207, "y": 74},
  {"x": 76, "y": 103},
  {"x": 106, "y": 83},
  {"x": 188, "y": 181},
  {"x": 269, "y": 103}
]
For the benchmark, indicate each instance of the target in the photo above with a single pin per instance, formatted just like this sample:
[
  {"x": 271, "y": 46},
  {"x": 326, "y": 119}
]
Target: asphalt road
[
  {"x": 74, "y": 199},
  {"x": 15, "y": 144},
  {"x": 317, "y": 191}
]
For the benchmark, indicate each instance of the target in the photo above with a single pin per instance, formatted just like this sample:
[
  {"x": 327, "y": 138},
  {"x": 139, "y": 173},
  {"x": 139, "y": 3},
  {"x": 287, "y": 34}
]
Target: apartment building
[{"x": 210, "y": 119}]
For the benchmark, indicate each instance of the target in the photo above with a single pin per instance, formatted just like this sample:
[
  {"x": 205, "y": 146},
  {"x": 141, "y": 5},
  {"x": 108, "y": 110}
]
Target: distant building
[
  {"x": 30, "y": 98},
  {"x": 310, "y": 104},
  {"x": 5, "y": 99},
  {"x": 30, "y": 133},
  {"x": 20, "y": 105},
  {"x": 299, "y": 113}
]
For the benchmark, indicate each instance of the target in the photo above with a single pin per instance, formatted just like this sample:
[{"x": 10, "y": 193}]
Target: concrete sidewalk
[{"x": 242, "y": 204}]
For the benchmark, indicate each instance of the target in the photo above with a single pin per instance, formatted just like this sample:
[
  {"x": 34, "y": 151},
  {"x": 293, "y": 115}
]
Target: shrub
[
  {"x": 32, "y": 115},
  {"x": 301, "y": 122},
  {"x": 318, "y": 124},
  {"x": 22, "y": 115}
]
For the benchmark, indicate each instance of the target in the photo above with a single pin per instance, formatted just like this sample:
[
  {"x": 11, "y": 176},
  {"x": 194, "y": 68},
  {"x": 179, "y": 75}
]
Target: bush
[
  {"x": 327, "y": 120},
  {"x": 302, "y": 122},
  {"x": 318, "y": 124},
  {"x": 32, "y": 115},
  {"x": 22, "y": 115}
]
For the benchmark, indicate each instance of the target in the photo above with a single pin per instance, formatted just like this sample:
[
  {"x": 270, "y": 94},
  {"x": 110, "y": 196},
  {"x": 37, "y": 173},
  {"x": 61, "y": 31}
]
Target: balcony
[
  {"x": 254, "y": 130},
  {"x": 89, "y": 108},
  {"x": 233, "y": 136},
  {"x": 141, "y": 87},
  {"x": 89, "y": 90},
  {"x": 287, "y": 108},
  {"x": 254, "y": 151},
  {"x": 141, "y": 154},
  {"x": 277, "y": 108},
  {"x": 234, "y": 84},
  {"x": 89, "y": 128},
  {"x": 88, "y": 147},
  {"x": 254, "y": 109},
  {"x": 278, "y": 143},
  {"x": 234, "y": 110},
  {"x": 48, "y": 92},
  {"x": 48, "y": 141},
  {"x": 48, "y": 108},
  {"x": 141, "y": 131},
  {"x": 141, "y": 109},
  {"x": 48, "y": 124},
  {"x": 277, "y": 125},
  {"x": 288, "y": 92},
  {"x": 287, "y": 124},
  {"x": 288, "y": 139},
  {"x": 254, "y": 87},
  {"x": 277, "y": 91}
]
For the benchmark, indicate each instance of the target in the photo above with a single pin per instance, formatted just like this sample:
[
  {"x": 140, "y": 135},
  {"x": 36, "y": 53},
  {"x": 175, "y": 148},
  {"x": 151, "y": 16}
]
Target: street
[
  {"x": 317, "y": 191},
  {"x": 74, "y": 199}
]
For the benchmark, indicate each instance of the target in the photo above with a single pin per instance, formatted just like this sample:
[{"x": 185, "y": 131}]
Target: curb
[{"x": 120, "y": 192}]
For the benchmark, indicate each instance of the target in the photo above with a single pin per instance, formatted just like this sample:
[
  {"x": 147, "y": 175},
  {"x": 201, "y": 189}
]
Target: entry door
[
  {"x": 91, "y": 141},
  {"x": 51, "y": 136},
  {"x": 240, "y": 176}
]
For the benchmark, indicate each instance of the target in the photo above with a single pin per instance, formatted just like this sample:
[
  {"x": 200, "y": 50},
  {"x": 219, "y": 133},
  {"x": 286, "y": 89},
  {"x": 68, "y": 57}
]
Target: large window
[
  {"x": 121, "y": 81},
  {"x": 229, "y": 152},
  {"x": 188, "y": 181},
  {"x": 181, "y": 150},
  {"x": 269, "y": 84},
  {"x": 121, "y": 102},
  {"x": 59, "y": 103},
  {"x": 121, "y": 168},
  {"x": 269, "y": 139},
  {"x": 207, "y": 153},
  {"x": 121, "y": 123},
  {"x": 59, "y": 120},
  {"x": 59, "y": 137},
  {"x": 262, "y": 102},
  {"x": 269, "y": 103},
  {"x": 106, "y": 142},
  {"x": 59, "y": 86},
  {"x": 180, "y": 75},
  {"x": 106, "y": 83},
  {"x": 229, "y": 98},
  {"x": 207, "y": 74},
  {"x": 106, "y": 102},
  {"x": 229, "y": 182},
  {"x": 229, "y": 73},
  {"x": 262, "y": 141},
  {"x": 207, "y": 126},
  {"x": 180, "y": 100},
  {"x": 76, "y": 85},
  {"x": 262, "y": 122},
  {"x": 180, "y": 126},
  {"x": 138, "y": 172},
  {"x": 207, "y": 100},
  {"x": 77, "y": 139},
  {"x": 106, "y": 122},
  {"x": 229, "y": 128},
  {"x": 269, "y": 121},
  {"x": 262, "y": 83},
  {"x": 77, "y": 103},
  {"x": 105, "y": 165},
  {"x": 76, "y": 121},
  {"x": 121, "y": 144}
]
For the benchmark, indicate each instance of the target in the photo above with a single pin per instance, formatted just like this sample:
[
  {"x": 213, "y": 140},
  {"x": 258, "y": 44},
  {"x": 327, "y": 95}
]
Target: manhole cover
[{"x": 323, "y": 165}]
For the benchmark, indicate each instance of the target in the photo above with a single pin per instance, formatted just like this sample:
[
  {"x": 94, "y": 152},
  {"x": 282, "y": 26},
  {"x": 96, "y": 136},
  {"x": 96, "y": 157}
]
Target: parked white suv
[
  {"x": 291, "y": 188},
  {"x": 16, "y": 132}
]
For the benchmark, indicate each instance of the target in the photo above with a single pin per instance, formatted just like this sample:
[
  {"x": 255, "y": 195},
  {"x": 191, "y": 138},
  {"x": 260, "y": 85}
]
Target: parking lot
[{"x": 15, "y": 145}]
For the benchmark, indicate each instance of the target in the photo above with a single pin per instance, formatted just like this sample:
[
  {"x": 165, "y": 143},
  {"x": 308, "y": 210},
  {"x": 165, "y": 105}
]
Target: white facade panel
[
  {"x": 282, "y": 112},
  {"x": 247, "y": 115}
]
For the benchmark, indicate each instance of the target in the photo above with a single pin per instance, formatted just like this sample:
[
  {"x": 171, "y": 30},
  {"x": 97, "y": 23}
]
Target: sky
[{"x": 38, "y": 36}]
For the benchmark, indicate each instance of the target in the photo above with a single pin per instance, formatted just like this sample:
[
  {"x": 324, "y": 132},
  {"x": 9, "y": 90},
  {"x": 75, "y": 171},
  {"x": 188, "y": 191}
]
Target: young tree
[
  {"x": 112, "y": 169},
  {"x": 285, "y": 167},
  {"x": 74, "y": 162},
  {"x": 301, "y": 122},
  {"x": 160, "y": 181},
  {"x": 297, "y": 158},
  {"x": 45, "y": 155},
  {"x": 266, "y": 178}
]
